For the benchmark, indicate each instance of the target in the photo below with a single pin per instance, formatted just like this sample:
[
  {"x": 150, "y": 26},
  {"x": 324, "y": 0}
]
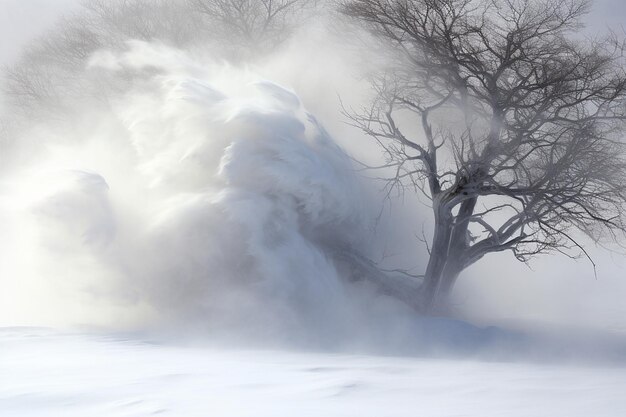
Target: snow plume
[{"x": 204, "y": 197}]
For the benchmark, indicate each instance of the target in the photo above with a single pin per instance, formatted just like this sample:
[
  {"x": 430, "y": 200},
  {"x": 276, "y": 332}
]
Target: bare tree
[
  {"x": 172, "y": 22},
  {"x": 255, "y": 25},
  {"x": 51, "y": 68},
  {"x": 519, "y": 122}
]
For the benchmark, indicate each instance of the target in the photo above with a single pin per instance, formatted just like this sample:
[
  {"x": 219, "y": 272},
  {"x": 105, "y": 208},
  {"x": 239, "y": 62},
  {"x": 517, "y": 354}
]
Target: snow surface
[{"x": 47, "y": 373}]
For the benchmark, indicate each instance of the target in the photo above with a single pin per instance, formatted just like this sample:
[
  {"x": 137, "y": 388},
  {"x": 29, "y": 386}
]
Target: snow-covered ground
[{"x": 47, "y": 373}]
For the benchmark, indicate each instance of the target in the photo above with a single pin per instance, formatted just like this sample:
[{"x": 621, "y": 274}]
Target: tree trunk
[
  {"x": 446, "y": 261},
  {"x": 359, "y": 268}
]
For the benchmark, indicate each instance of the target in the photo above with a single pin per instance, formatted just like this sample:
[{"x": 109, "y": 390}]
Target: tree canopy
[{"x": 521, "y": 124}]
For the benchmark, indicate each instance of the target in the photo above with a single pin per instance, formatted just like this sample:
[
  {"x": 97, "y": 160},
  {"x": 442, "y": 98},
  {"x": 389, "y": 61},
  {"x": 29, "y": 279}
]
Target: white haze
[
  {"x": 207, "y": 197},
  {"x": 22, "y": 21}
]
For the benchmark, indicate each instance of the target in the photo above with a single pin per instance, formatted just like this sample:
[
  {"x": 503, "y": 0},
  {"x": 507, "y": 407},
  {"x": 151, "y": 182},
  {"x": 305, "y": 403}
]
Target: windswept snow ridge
[{"x": 203, "y": 196}]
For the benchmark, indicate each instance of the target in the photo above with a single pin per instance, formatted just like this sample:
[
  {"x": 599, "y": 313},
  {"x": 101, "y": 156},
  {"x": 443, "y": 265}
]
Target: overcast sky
[{"x": 20, "y": 20}]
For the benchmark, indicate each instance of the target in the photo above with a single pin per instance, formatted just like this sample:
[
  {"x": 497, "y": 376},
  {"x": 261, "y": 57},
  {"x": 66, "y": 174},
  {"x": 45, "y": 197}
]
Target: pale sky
[{"x": 20, "y": 20}]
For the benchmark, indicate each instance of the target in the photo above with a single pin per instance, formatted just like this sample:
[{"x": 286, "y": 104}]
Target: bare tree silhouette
[
  {"x": 521, "y": 126},
  {"x": 253, "y": 26},
  {"x": 231, "y": 29}
]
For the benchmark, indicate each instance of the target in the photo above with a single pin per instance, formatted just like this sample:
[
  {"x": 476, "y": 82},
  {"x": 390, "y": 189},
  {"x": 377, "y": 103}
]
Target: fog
[
  {"x": 203, "y": 199},
  {"x": 210, "y": 195},
  {"x": 187, "y": 230}
]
